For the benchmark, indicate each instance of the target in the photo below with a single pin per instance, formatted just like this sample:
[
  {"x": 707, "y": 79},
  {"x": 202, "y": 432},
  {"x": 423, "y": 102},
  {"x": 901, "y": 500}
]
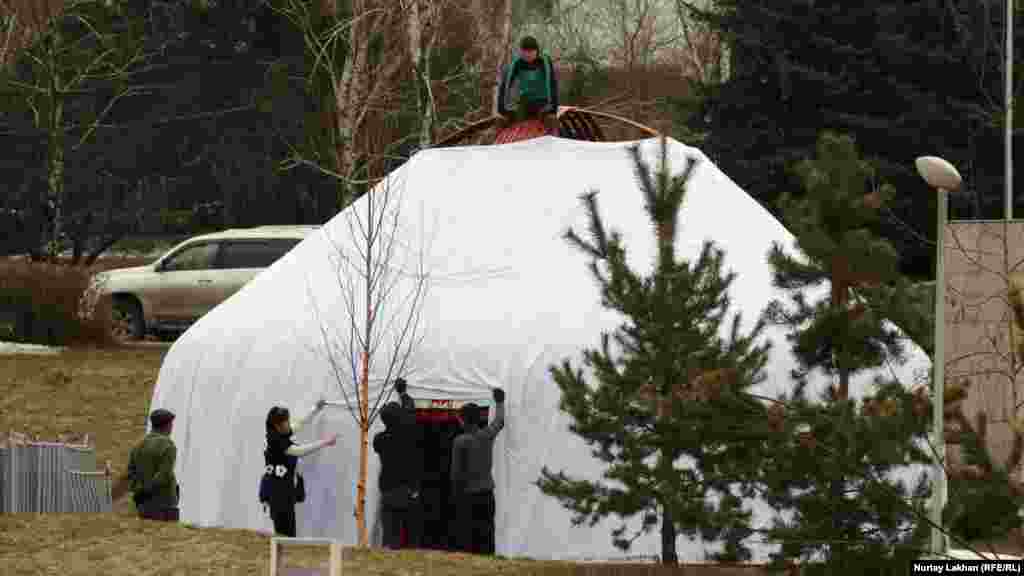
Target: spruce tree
[
  {"x": 905, "y": 78},
  {"x": 664, "y": 404},
  {"x": 834, "y": 456}
]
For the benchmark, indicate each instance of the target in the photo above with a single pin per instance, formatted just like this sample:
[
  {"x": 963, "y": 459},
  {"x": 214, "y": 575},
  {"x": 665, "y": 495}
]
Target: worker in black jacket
[
  {"x": 279, "y": 486},
  {"x": 401, "y": 459},
  {"x": 472, "y": 482},
  {"x": 408, "y": 404}
]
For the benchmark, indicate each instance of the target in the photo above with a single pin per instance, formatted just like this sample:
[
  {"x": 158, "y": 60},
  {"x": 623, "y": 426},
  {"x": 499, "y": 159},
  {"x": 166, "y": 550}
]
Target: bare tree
[
  {"x": 630, "y": 34},
  {"x": 424, "y": 34},
  {"x": 382, "y": 281},
  {"x": 702, "y": 53},
  {"x": 21, "y": 22},
  {"x": 984, "y": 423},
  {"x": 988, "y": 322},
  {"x": 8, "y": 34},
  {"x": 68, "y": 66},
  {"x": 357, "y": 54},
  {"x": 493, "y": 22}
]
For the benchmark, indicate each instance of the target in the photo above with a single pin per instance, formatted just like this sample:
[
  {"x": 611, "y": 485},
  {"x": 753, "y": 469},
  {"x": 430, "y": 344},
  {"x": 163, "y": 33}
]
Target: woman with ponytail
[{"x": 281, "y": 488}]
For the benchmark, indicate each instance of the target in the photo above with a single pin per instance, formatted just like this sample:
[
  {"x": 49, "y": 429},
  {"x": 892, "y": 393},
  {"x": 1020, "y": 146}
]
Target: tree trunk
[
  {"x": 359, "y": 88},
  {"x": 839, "y": 282},
  {"x": 55, "y": 169},
  {"x": 420, "y": 53},
  {"x": 494, "y": 33},
  {"x": 668, "y": 539},
  {"x": 427, "y": 117},
  {"x": 505, "y": 46},
  {"x": 364, "y": 452}
]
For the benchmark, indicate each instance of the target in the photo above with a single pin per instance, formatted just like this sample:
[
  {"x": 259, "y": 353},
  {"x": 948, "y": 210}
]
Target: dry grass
[
  {"x": 102, "y": 393},
  {"x": 106, "y": 393},
  {"x": 122, "y": 545}
]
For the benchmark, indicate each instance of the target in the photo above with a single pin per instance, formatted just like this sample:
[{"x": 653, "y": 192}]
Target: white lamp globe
[{"x": 938, "y": 173}]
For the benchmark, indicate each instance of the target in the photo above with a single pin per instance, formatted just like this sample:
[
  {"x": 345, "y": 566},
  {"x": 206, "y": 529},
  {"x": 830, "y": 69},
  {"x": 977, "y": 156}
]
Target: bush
[{"x": 40, "y": 304}]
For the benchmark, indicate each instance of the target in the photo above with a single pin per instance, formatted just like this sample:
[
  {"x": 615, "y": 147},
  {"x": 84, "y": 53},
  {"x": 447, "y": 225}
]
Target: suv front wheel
[{"x": 127, "y": 322}]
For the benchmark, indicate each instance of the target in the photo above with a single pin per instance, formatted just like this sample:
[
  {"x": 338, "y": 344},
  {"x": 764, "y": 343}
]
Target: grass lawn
[{"x": 122, "y": 545}]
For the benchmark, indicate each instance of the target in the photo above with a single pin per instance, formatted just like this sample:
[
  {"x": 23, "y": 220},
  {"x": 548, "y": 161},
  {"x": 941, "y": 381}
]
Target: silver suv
[{"x": 167, "y": 296}]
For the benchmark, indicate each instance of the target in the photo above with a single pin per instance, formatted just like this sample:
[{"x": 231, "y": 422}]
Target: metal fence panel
[
  {"x": 3, "y": 479},
  {"x": 50, "y": 459},
  {"x": 80, "y": 458},
  {"x": 51, "y": 478},
  {"x": 10, "y": 480},
  {"x": 90, "y": 491},
  {"x": 28, "y": 479}
]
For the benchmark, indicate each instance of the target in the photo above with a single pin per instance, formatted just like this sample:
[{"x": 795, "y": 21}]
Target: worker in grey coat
[{"x": 472, "y": 481}]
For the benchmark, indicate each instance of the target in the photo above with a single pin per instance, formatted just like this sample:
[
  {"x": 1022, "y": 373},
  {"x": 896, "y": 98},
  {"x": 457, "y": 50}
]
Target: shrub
[{"x": 40, "y": 304}]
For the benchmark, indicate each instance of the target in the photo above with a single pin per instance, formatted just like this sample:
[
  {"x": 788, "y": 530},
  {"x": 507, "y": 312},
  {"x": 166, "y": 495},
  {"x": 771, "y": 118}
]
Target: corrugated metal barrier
[{"x": 52, "y": 477}]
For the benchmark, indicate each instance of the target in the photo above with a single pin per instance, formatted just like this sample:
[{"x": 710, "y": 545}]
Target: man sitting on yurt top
[{"x": 530, "y": 80}]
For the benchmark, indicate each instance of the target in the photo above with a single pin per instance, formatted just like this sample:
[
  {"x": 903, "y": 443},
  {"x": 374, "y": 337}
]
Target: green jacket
[
  {"x": 536, "y": 86},
  {"x": 151, "y": 469}
]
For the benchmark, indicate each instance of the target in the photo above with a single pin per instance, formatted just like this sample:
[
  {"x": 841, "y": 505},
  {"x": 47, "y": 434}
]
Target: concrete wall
[{"x": 984, "y": 263}]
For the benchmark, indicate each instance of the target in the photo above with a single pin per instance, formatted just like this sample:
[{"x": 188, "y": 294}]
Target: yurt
[{"x": 482, "y": 291}]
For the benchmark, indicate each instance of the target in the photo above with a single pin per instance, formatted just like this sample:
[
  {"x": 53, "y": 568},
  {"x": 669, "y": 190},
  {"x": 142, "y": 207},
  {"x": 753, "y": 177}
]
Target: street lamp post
[
  {"x": 942, "y": 176},
  {"x": 1008, "y": 128}
]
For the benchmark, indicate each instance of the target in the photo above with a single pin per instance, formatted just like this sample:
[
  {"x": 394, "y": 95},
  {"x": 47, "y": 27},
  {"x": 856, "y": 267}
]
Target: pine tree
[
  {"x": 834, "y": 456},
  {"x": 666, "y": 408}
]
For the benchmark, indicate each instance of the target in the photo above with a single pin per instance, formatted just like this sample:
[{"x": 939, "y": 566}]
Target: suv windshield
[{"x": 254, "y": 253}]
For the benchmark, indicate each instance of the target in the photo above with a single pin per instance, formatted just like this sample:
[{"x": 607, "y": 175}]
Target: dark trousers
[
  {"x": 476, "y": 523},
  {"x": 399, "y": 511},
  {"x": 283, "y": 515},
  {"x": 159, "y": 514}
]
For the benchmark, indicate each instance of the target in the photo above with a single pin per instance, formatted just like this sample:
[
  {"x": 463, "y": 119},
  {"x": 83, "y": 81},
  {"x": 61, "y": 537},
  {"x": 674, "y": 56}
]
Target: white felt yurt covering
[{"x": 507, "y": 298}]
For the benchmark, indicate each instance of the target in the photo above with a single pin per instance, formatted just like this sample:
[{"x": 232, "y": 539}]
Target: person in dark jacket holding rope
[
  {"x": 401, "y": 474},
  {"x": 151, "y": 471},
  {"x": 472, "y": 483},
  {"x": 280, "y": 490},
  {"x": 530, "y": 80}
]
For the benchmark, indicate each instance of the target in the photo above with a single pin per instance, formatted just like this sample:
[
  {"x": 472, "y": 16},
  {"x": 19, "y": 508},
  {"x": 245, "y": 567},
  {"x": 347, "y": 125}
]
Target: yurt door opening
[{"x": 439, "y": 425}]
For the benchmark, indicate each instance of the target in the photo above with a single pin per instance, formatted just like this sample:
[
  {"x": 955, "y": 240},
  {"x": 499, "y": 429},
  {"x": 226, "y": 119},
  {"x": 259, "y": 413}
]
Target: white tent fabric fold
[{"x": 506, "y": 298}]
